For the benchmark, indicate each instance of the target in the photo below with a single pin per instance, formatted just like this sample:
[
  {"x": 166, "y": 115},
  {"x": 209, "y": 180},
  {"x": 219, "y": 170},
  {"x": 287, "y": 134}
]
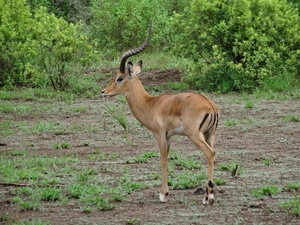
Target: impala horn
[{"x": 135, "y": 51}]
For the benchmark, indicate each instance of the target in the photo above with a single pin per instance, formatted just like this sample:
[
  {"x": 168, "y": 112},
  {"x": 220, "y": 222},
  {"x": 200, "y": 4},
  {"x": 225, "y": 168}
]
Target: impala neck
[{"x": 139, "y": 101}]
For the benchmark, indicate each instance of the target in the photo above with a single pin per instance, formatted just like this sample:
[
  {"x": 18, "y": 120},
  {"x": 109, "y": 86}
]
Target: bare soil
[{"x": 248, "y": 135}]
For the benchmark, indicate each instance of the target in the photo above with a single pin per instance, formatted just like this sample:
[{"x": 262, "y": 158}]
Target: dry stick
[
  {"x": 16, "y": 184},
  {"x": 30, "y": 185}
]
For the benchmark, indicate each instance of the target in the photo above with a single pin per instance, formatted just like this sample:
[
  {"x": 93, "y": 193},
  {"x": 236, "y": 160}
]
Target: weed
[
  {"x": 79, "y": 109},
  {"x": 131, "y": 221},
  {"x": 86, "y": 209},
  {"x": 186, "y": 163},
  {"x": 44, "y": 126},
  {"x": 295, "y": 186},
  {"x": 292, "y": 118},
  {"x": 185, "y": 179},
  {"x": 18, "y": 152},
  {"x": 178, "y": 86},
  {"x": 121, "y": 119},
  {"x": 291, "y": 206},
  {"x": 155, "y": 176},
  {"x": 26, "y": 204},
  {"x": 267, "y": 162},
  {"x": 65, "y": 145},
  {"x": 143, "y": 157},
  {"x": 249, "y": 104},
  {"x": 51, "y": 194},
  {"x": 5, "y": 128},
  {"x": 219, "y": 181},
  {"x": 233, "y": 167},
  {"x": 230, "y": 122},
  {"x": 265, "y": 191}
]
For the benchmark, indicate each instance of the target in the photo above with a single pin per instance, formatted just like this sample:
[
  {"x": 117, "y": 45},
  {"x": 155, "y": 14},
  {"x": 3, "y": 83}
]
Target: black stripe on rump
[
  {"x": 205, "y": 117},
  {"x": 217, "y": 120}
]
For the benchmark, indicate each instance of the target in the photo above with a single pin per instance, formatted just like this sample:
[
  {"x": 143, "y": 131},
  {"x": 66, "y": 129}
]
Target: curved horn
[{"x": 135, "y": 51}]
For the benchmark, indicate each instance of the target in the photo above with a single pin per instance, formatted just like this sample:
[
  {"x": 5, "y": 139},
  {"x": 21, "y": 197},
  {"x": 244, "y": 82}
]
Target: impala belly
[{"x": 176, "y": 131}]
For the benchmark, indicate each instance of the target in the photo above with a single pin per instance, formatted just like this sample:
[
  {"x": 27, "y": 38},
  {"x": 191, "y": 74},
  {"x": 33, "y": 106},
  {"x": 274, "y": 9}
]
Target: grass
[
  {"x": 142, "y": 158},
  {"x": 291, "y": 206},
  {"x": 265, "y": 191},
  {"x": 10, "y": 220},
  {"x": 99, "y": 171},
  {"x": 121, "y": 119},
  {"x": 233, "y": 167},
  {"x": 44, "y": 175},
  {"x": 292, "y": 118}
]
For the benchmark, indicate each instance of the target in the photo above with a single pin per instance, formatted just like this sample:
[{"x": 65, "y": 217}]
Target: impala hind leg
[
  {"x": 209, "y": 152},
  {"x": 164, "y": 147}
]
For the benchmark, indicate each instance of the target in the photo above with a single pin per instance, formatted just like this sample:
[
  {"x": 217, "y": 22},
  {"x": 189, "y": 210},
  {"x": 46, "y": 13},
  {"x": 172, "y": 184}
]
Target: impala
[{"x": 190, "y": 114}]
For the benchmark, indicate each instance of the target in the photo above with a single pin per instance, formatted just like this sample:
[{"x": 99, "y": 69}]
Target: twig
[{"x": 16, "y": 184}]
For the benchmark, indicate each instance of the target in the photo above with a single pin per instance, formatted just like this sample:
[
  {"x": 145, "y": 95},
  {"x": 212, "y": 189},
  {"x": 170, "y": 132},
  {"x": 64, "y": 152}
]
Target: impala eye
[{"x": 120, "y": 79}]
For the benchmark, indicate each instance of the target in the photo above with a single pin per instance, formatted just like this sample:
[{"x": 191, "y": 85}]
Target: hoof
[
  {"x": 162, "y": 197},
  {"x": 209, "y": 200}
]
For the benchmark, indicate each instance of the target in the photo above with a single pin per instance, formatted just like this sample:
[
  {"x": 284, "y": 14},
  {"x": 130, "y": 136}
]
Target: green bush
[
  {"x": 70, "y": 10},
  {"x": 39, "y": 48},
  {"x": 62, "y": 50},
  {"x": 120, "y": 25},
  {"x": 236, "y": 45},
  {"x": 15, "y": 23}
]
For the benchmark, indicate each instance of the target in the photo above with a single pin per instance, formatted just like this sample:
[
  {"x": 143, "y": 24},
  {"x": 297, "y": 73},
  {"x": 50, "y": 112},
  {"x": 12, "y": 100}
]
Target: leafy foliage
[
  {"x": 236, "y": 45},
  {"x": 39, "y": 48},
  {"x": 119, "y": 25}
]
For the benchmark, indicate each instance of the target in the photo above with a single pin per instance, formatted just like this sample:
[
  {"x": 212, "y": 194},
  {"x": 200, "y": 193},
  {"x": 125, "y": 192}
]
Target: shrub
[
  {"x": 39, "y": 48},
  {"x": 236, "y": 45},
  {"x": 120, "y": 25},
  {"x": 14, "y": 34},
  {"x": 62, "y": 50}
]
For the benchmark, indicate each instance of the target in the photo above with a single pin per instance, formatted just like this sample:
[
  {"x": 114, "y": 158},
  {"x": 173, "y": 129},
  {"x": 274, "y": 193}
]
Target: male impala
[{"x": 189, "y": 114}]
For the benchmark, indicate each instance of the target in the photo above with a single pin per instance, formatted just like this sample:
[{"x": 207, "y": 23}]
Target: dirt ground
[{"x": 249, "y": 135}]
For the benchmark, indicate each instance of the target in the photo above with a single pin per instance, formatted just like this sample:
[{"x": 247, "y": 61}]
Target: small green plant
[
  {"x": 219, "y": 181},
  {"x": 79, "y": 109},
  {"x": 51, "y": 194},
  {"x": 292, "y": 118},
  {"x": 144, "y": 157},
  {"x": 265, "y": 191},
  {"x": 291, "y": 206},
  {"x": 295, "y": 186},
  {"x": 185, "y": 179},
  {"x": 178, "y": 86},
  {"x": 131, "y": 221},
  {"x": 26, "y": 204},
  {"x": 5, "y": 128},
  {"x": 233, "y": 167},
  {"x": 61, "y": 145},
  {"x": 182, "y": 161},
  {"x": 249, "y": 104},
  {"x": 267, "y": 162},
  {"x": 230, "y": 123},
  {"x": 18, "y": 152},
  {"x": 121, "y": 119}
]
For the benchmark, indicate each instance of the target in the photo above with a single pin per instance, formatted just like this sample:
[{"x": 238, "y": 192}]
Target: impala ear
[
  {"x": 130, "y": 68},
  {"x": 138, "y": 67}
]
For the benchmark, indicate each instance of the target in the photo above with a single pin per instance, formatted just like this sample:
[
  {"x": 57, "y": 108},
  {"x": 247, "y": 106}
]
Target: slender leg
[
  {"x": 164, "y": 145},
  {"x": 209, "y": 152}
]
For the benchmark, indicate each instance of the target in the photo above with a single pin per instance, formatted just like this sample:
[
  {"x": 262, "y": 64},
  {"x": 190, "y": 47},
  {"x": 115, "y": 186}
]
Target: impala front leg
[{"x": 164, "y": 145}]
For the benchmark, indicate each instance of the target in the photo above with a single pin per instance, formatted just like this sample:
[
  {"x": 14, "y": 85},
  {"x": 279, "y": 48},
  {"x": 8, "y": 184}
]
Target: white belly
[{"x": 176, "y": 131}]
